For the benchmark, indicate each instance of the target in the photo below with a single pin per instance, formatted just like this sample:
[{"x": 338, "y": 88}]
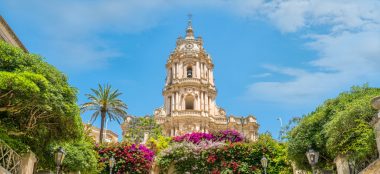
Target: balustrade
[{"x": 9, "y": 159}]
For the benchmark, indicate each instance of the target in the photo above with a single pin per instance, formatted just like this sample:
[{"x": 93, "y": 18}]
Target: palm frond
[{"x": 104, "y": 99}]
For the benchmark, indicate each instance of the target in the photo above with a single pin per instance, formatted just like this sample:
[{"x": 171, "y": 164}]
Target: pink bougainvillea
[
  {"x": 195, "y": 137},
  {"x": 129, "y": 158},
  {"x": 221, "y": 136},
  {"x": 228, "y": 135}
]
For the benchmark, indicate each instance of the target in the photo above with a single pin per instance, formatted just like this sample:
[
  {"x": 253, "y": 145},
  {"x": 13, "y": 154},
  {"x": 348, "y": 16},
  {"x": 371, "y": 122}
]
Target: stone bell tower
[{"x": 189, "y": 93}]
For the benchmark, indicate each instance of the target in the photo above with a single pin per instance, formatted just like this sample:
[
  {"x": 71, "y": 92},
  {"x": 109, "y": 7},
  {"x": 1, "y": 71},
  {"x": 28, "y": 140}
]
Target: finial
[
  {"x": 189, "y": 20},
  {"x": 189, "y": 30}
]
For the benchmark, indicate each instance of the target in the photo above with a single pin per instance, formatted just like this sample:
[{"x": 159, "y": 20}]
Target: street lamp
[
  {"x": 312, "y": 157},
  {"x": 264, "y": 163},
  {"x": 111, "y": 163},
  {"x": 59, "y": 156}
]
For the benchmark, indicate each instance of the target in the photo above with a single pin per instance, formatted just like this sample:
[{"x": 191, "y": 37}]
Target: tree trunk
[{"x": 103, "y": 115}]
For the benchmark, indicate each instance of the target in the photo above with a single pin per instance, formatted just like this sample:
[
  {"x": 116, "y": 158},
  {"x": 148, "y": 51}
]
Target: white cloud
[
  {"x": 261, "y": 75},
  {"x": 349, "y": 52}
]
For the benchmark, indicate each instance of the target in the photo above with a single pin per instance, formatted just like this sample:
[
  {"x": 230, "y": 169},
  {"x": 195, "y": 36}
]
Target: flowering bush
[
  {"x": 186, "y": 156},
  {"x": 129, "y": 158},
  {"x": 195, "y": 137},
  {"x": 228, "y": 136},
  {"x": 218, "y": 157},
  {"x": 221, "y": 136}
]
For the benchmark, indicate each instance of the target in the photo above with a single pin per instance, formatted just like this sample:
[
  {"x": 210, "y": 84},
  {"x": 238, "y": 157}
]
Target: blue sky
[{"x": 272, "y": 58}]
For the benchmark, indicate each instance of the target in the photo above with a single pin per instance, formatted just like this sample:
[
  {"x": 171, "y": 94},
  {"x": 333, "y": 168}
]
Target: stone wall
[
  {"x": 374, "y": 167},
  {"x": 27, "y": 163},
  {"x": 3, "y": 171},
  {"x": 342, "y": 166}
]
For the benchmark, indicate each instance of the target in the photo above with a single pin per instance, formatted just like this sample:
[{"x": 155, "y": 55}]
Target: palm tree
[{"x": 105, "y": 102}]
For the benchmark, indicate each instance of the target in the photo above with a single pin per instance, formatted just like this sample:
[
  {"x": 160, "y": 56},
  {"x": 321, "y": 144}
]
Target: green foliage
[
  {"x": 105, "y": 102},
  {"x": 16, "y": 144},
  {"x": 37, "y": 105},
  {"x": 80, "y": 156},
  {"x": 339, "y": 126},
  {"x": 136, "y": 128},
  {"x": 159, "y": 143}
]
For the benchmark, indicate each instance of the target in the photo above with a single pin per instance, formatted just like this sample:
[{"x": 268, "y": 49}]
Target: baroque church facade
[{"x": 190, "y": 94}]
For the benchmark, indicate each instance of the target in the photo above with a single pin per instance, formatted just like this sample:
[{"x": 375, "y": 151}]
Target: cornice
[{"x": 13, "y": 35}]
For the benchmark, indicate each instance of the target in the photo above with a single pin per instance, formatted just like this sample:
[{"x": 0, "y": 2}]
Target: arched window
[
  {"x": 189, "y": 102},
  {"x": 189, "y": 72}
]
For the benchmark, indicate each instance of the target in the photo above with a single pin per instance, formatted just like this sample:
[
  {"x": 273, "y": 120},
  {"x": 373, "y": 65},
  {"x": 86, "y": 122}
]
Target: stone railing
[
  {"x": 9, "y": 159},
  {"x": 189, "y": 113},
  {"x": 189, "y": 80}
]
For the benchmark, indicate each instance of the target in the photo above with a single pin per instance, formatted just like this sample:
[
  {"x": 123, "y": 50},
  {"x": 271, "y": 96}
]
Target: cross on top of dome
[{"x": 189, "y": 30}]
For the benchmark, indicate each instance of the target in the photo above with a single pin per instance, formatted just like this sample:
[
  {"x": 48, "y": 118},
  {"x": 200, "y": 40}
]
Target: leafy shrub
[
  {"x": 340, "y": 126},
  {"x": 159, "y": 143}
]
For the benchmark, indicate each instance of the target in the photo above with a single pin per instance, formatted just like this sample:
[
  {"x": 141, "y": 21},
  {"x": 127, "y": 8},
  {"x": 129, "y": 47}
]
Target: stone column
[
  {"x": 173, "y": 72},
  {"x": 205, "y": 71},
  {"x": 176, "y": 70},
  {"x": 172, "y": 107},
  {"x": 376, "y": 104},
  {"x": 206, "y": 101},
  {"x": 199, "y": 102},
  {"x": 342, "y": 166},
  {"x": 209, "y": 75},
  {"x": 183, "y": 71},
  {"x": 212, "y": 77},
  {"x": 27, "y": 163},
  {"x": 209, "y": 104},
  {"x": 202, "y": 102},
  {"x": 197, "y": 70},
  {"x": 176, "y": 101},
  {"x": 200, "y": 70},
  {"x": 180, "y": 70}
]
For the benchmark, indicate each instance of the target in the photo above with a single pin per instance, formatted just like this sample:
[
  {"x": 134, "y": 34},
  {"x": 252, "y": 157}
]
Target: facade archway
[{"x": 189, "y": 102}]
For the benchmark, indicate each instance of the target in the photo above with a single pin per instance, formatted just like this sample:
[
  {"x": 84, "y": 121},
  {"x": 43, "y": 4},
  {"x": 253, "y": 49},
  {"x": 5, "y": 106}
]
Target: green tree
[
  {"x": 137, "y": 126},
  {"x": 105, "y": 102},
  {"x": 341, "y": 126},
  {"x": 37, "y": 105},
  {"x": 80, "y": 156}
]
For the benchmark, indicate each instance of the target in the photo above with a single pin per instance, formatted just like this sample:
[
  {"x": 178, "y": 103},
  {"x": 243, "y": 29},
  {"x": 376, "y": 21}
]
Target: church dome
[{"x": 189, "y": 43}]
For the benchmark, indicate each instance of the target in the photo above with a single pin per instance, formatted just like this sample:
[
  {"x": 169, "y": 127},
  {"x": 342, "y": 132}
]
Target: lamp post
[
  {"x": 111, "y": 163},
  {"x": 264, "y": 163},
  {"x": 312, "y": 157},
  {"x": 59, "y": 156}
]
